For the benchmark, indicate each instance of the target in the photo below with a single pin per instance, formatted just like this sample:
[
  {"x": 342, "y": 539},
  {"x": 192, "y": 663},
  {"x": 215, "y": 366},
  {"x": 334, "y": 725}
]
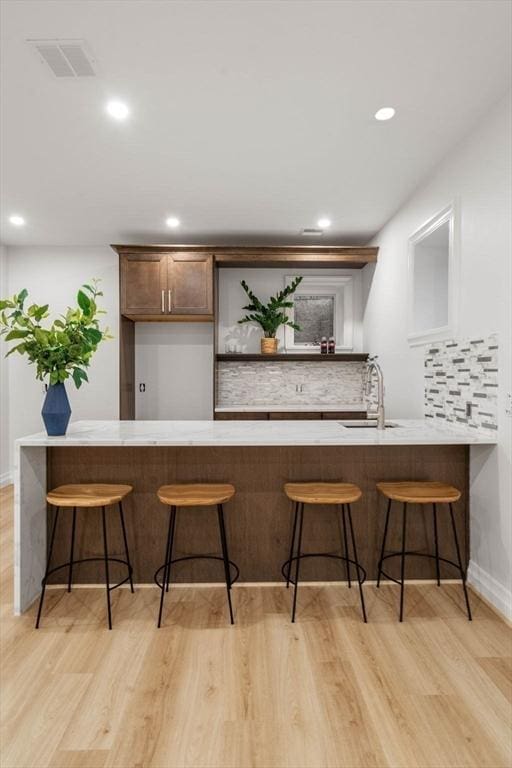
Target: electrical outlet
[
  {"x": 469, "y": 409},
  {"x": 142, "y": 387}
]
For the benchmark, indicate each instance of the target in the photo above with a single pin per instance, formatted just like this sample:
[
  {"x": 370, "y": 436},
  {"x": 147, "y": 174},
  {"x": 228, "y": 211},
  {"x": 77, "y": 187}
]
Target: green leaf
[
  {"x": 18, "y": 348},
  {"x": 22, "y": 295},
  {"x": 41, "y": 312},
  {"x": 84, "y": 302},
  {"x": 41, "y": 337},
  {"x": 17, "y": 334},
  {"x": 79, "y": 375},
  {"x": 93, "y": 335}
]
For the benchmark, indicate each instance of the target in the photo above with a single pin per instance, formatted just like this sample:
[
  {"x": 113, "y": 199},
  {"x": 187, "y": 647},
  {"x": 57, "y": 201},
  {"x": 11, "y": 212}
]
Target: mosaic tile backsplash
[
  {"x": 273, "y": 383},
  {"x": 462, "y": 372}
]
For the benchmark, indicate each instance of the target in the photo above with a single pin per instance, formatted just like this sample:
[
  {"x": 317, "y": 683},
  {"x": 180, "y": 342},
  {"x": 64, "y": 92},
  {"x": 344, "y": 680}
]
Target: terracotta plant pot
[{"x": 268, "y": 346}]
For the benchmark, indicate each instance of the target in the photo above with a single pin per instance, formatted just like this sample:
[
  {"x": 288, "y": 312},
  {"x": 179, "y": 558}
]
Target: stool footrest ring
[
  {"x": 196, "y": 557},
  {"x": 93, "y": 560},
  {"x": 415, "y": 554},
  {"x": 360, "y": 569}
]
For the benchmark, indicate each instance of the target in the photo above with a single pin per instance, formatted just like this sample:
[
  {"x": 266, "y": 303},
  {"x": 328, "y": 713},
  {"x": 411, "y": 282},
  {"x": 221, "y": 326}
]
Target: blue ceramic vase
[{"x": 56, "y": 410}]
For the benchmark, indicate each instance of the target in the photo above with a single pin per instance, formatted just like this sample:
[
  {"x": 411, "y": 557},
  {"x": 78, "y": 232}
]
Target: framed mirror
[{"x": 432, "y": 280}]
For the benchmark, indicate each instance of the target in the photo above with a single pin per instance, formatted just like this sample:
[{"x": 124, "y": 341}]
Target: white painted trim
[
  {"x": 446, "y": 332},
  {"x": 6, "y": 479},
  {"x": 494, "y": 592}
]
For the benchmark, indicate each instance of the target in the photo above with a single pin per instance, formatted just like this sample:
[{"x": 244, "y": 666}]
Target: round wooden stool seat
[
  {"x": 420, "y": 493},
  {"x": 195, "y": 494},
  {"x": 87, "y": 495},
  {"x": 323, "y": 493}
]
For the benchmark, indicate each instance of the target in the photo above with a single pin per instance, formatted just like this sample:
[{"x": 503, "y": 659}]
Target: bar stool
[
  {"x": 88, "y": 496},
  {"x": 420, "y": 493},
  {"x": 340, "y": 494},
  {"x": 195, "y": 495}
]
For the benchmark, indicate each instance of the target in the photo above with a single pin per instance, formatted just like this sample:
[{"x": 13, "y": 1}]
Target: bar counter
[{"x": 257, "y": 457}]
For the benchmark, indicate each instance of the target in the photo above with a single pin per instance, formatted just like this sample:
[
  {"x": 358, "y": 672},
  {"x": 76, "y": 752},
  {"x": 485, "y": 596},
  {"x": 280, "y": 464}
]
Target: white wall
[
  {"x": 264, "y": 283},
  {"x": 5, "y": 476},
  {"x": 53, "y": 275},
  {"x": 175, "y": 362},
  {"x": 477, "y": 175}
]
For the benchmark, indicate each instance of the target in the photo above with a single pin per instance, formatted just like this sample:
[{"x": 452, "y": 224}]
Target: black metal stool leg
[
  {"x": 73, "y": 527},
  {"x": 224, "y": 546},
  {"x": 402, "y": 562},
  {"x": 172, "y": 514},
  {"x": 345, "y": 541},
  {"x": 125, "y": 539},
  {"x": 107, "y": 578},
  {"x": 384, "y": 538},
  {"x": 436, "y": 544},
  {"x": 459, "y": 560},
  {"x": 224, "y": 542},
  {"x": 52, "y": 539},
  {"x": 297, "y": 564},
  {"x": 354, "y": 547},
  {"x": 169, "y": 554},
  {"x": 292, "y": 543}
]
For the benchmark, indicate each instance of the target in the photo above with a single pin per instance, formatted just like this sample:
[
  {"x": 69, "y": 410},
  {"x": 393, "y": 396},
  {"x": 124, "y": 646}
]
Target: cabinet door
[
  {"x": 294, "y": 415},
  {"x": 143, "y": 284},
  {"x": 241, "y": 416},
  {"x": 190, "y": 284},
  {"x": 345, "y": 415}
]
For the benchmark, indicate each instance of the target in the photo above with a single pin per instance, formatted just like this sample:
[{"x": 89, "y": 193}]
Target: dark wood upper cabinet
[
  {"x": 143, "y": 283},
  {"x": 190, "y": 283},
  {"x": 166, "y": 286}
]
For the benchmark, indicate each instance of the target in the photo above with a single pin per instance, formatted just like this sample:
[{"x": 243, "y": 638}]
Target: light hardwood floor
[{"x": 328, "y": 691}]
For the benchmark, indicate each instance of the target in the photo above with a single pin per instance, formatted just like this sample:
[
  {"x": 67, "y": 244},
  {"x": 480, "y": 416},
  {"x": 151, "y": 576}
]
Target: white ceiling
[{"x": 249, "y": 119}]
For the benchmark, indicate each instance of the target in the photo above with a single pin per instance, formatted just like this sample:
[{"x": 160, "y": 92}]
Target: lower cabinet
[
  {"x": 287, "y": 415},
  {"x": 241, "y": 416}
]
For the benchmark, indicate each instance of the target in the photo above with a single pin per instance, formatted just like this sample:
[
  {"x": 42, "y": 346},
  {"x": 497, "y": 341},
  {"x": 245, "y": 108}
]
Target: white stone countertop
[
  {"x": 309, "y": 407},
  {"x": 256, "y": 433}
]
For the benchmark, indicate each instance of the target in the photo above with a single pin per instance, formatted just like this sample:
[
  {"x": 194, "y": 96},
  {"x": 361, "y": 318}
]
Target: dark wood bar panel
[{"x": 258, "y": 519}]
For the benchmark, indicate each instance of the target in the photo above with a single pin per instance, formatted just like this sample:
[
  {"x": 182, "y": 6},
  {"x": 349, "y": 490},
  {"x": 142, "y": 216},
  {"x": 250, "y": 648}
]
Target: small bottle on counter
[
  {"x": 332, "y": 346},
  {"x": 323, "y": 345}
]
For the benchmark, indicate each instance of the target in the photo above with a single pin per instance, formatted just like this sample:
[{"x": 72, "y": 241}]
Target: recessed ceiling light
[
  {"x": 118, "y": 110},
  {"x": 172, "y": 222},
  {"x": 385, "y": 113},
  {"x": 17, "y": 220},
  {"x": 323, "y": 223}
]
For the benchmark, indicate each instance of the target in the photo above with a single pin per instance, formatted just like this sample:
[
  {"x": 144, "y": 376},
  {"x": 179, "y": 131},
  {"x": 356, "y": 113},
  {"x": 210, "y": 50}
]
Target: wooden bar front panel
[{"x": 258, "y": 519}]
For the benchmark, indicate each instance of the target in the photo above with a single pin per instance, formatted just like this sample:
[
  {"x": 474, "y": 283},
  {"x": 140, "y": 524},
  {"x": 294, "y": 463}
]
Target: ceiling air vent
[
  {"x": 312, "y": 232},
  {"x": 65, "y": 58}
]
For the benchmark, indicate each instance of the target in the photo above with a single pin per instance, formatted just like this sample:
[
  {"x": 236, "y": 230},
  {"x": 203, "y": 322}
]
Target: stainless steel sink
[{"x": 368, "y": 424}]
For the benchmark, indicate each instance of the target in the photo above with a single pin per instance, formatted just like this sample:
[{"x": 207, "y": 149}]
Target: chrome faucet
[{"x": 373, "y": 366}]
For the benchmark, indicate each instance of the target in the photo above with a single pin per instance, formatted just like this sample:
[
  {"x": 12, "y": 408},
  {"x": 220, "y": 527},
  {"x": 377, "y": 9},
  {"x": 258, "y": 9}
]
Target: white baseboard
[
  {"x": 6, "y": 479},
  {"x": 494, "y": 592}
]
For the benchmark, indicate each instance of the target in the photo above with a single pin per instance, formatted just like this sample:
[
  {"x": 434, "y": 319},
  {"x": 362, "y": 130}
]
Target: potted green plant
[
  {"x": 60, "y": 351},
  {"x": 272, "y": 315}
]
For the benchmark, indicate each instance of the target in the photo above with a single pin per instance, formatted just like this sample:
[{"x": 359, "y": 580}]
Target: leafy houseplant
[
  {"x": 272, "y": 315},
  {"x": 59, "y": 352}
]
